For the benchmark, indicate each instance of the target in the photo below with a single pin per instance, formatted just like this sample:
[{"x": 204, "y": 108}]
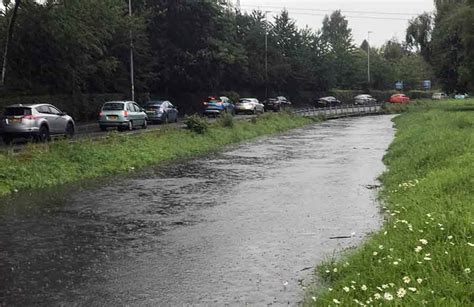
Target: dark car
[
  {"x": 284, "y": 101},
  {"x": 328, "y": 101},
  {"x": 161, "y": 111},
  {"x": 272, "y": 104},
  {"x": 214, "y": 106}
]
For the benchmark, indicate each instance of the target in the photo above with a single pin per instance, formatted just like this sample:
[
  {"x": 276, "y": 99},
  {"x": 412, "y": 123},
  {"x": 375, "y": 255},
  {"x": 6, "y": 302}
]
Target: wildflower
[
  {"x": 467, "y": 270},
  {"x": 335, "y": 270},
  {"x": 377, "y": 296},
  {"x": 363, "y": 288},
  {"x": 388, "y": 296},
  {"x": 336, "y": 301},
  {"x": 380, "y": 289},
  {"x": 401, "y": 292},
  {"x": 375, "y": 253},
  {"x": 419, "y": 280},
  {"x": 385, "y": 233},
  {"x": 353, "y": 287},
  {"x": 330, "y": 289},
  {"x": 395, "y": 263},
  {"x": 427, "y": 259},
  {"x": 392, "y": 284},
  {"x": 428, "y": 215},
  {"x": 385, "y": 286},
  {"x": 313, "y": 298},
  {"x": 450, "y": 237},
  {"x": 412, "y": 289},
  {"x": 346, "y": 289},
  {"x": 380, "y": 246},
  {"x": 470, "y": 244},
  {"x": 327, "y": 271},
  {"x": 418, "y": 249},
  {"x": 406, "y": 279},
  {"x": 423, "y": 241},
  {"x": 353, "y": 282}
]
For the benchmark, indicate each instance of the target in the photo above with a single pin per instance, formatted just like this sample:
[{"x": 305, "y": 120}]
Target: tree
[
  {"x": 418, "y": 34},
  {"x": 11, "y": 25}
]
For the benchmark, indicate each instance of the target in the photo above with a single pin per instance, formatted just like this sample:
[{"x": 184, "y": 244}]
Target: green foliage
[
  {"x": 226, "y": 120},
  {"x": 196, "y": 123},
  {"x": 423, "y": 253},
  {"x": 44, "y": 165}
]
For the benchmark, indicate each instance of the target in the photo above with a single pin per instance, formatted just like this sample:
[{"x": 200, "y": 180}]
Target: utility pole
[
  {"x": 266, "y": 56},
  {"x": 368, "y": 59},
  {"x": 132, "y": 78}
]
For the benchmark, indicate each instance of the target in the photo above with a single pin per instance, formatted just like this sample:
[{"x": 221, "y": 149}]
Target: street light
[
  {"x": 266, "y": 54},
  {"x": 368, "y": 58},
  {"x": 132, "y": 79}
]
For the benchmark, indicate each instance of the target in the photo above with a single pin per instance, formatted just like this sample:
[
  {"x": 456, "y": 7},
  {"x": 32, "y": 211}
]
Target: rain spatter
[{"x": 234, "y": 227}]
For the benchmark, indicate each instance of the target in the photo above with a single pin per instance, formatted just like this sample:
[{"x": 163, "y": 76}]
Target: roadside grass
[
  {"x": 60, "y": 162},
  {"x": 424, "y": 253}
]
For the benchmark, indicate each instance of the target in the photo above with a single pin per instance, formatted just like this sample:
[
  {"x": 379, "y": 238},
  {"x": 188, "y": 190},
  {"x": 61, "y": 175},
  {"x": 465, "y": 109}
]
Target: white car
[
  {"x": 461, "y": 96},
  {"x": 249, "y": 105},
  {"x": 364, "y": 99},
  {"x": 439, "y": 96}
]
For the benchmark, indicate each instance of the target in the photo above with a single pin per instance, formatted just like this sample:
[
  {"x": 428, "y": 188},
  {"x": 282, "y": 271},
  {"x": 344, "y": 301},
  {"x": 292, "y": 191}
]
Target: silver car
[
  {"x": 161, "y": 112},
  {"x": 37, "y": 121},
  {"x": 249, "y": 105},
  {"x": 364, "y": 99},
  {"x": 122, "y": 115}
]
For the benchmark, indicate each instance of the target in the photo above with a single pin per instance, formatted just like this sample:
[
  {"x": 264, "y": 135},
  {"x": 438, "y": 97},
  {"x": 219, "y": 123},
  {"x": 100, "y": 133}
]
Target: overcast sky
[{"x": 384, "y": 18}]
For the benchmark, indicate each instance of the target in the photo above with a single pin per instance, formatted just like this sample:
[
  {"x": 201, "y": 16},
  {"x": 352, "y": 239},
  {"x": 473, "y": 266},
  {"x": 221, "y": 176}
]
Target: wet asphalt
[{"x": 242, "y": 226}]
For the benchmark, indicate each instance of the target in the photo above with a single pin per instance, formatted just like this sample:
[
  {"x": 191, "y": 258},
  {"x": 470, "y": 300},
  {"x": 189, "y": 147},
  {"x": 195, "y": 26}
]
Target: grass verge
[
  {"x": 424, "y": 253},
  {"x": 45, "y": 165}
]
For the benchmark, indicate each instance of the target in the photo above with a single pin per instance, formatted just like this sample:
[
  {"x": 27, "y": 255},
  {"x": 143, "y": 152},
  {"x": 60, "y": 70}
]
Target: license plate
[
  {"x": 14, "y": 121},
  {"x": 113, "y": 117},
  {"x": 150, "y": 112}
]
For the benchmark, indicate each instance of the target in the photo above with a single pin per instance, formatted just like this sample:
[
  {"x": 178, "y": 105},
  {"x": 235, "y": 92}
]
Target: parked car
[
  {"x": 284, "y": 101},
  {"x": 161, "y": 111},
  {"x": 328, "y": 101},
  {"x": 249, "y": 105},
  {"x": 439, "y": 96},
  {"x": 214, "y": 106},
  {"x": 122, "y": 115},
  {"x": 37, "y": 121},
  {"x": 272, "y": 104},
  {"x": 364, "y": 99},
  {"x": 461, "y": 96},
  {"x": 399, "y": 98}
]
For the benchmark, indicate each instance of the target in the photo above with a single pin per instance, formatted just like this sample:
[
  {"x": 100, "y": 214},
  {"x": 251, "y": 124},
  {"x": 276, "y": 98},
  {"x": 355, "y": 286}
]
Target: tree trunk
[{"x": 8, "y": 39}]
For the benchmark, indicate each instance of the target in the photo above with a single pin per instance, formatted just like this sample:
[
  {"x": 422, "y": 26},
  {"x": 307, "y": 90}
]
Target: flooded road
[{"x": 246, "y": 225}]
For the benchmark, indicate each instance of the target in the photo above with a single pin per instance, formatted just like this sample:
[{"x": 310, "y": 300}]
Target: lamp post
[
  {"x": 266, "y": 54},
  {"x": 132, "y": 78},
  {"x": 368, "y": 58}
]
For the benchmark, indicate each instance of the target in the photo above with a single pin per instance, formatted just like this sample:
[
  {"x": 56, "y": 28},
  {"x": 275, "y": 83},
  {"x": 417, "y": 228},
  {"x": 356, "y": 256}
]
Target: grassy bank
[
  {"x": 424, "y": 253},
  {"x": 43, "y": 165}
]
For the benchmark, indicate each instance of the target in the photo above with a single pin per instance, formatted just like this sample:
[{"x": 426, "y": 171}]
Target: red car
[{"x": 399, "y": 98}]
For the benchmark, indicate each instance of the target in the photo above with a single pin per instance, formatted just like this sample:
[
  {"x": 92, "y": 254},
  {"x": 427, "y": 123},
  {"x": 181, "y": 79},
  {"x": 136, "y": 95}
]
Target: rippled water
[{"x": 240, "y": 226}]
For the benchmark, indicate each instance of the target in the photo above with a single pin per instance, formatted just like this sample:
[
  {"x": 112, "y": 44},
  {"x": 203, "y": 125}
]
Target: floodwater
[{"x": 243, "y": 226}]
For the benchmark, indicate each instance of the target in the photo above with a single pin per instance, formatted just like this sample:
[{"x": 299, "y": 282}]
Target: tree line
[{"x": 82, "y": 46}]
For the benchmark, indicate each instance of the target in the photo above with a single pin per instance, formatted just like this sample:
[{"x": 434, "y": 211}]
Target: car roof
[
  {"x": 156, "y": 101},
  {"x": 27, "y": 105}
]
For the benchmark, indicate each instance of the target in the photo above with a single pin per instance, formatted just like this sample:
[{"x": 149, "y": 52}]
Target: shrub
[
  {"x": 234, "y": 96},
  {"x": 196, "y": 123},
  {"x": 226, "y": 120}
]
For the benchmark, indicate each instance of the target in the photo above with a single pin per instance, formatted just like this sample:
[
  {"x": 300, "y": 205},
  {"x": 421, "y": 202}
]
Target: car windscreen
[
  {"x": 113, "y": 106},
  {"x": 153, "y": 106},
  {"x": 245, "y": 100},
  {"x": 17, "y": 111}
]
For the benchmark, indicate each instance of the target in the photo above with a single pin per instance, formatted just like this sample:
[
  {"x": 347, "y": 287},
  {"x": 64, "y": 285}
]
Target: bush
[
  {"x": 196, "y": 123},
  {"x": 234, "y": 96},
  {"x": 420, "y": 94},
  {"x": 226, "y": 120}
]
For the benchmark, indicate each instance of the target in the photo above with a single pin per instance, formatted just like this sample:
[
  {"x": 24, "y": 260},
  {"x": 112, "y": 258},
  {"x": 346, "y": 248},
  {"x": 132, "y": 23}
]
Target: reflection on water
[{"x": 234, "y": 227}]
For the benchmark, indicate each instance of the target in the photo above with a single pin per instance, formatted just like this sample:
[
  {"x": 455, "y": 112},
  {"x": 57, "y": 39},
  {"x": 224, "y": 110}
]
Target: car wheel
[
  {"x": 103, "y": 128},
  {"x": 7, "y": 140},
  {"x": 145, "y": 124},
  {"x": 43, "y": 134},
  {"x": 130, "y": 126},
  {"x": 70, "y": 131}
]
